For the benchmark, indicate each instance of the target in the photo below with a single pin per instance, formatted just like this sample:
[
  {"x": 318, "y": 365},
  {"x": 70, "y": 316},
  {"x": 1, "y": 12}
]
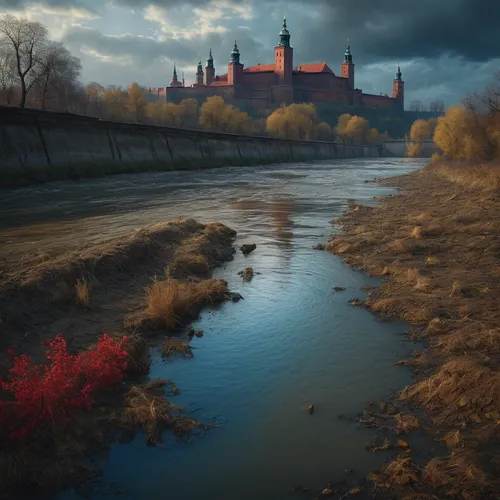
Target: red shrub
[{"x": 44, "y": 393}]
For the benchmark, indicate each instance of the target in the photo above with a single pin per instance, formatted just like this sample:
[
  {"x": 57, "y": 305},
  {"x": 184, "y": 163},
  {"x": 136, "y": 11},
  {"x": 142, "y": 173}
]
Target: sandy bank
[{"x": 438, "y": 245}]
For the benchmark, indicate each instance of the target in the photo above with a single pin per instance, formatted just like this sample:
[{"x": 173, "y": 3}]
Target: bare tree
[
  {"x": 416, "y": 106},
  {"x": 437, "y": 106},
  {"x": 94, "y": 93},
  {"x": 7, "y": 79},
  {"x": 74, "y": 97},
  {"x": 491, "y": 95},
  {"x": 26, "y": 40},
  {"x": 57, "y": 71}
]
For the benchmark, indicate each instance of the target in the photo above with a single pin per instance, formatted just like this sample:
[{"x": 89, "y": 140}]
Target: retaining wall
[
  {"x": 398, "y": 149},
  {"x": 37, "y": 146}
]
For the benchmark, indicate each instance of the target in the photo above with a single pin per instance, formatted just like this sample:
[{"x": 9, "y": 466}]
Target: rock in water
[
  {"x": 310, "y": 409},
  {"x": 234, "y": 296},
  {"x": 247, "y": 248},
  {"x": 338, "y": 288}
]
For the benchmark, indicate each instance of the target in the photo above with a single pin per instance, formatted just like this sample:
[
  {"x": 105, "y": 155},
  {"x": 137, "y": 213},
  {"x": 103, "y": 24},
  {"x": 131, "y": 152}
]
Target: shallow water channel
[{"x": 291, "y": 342}]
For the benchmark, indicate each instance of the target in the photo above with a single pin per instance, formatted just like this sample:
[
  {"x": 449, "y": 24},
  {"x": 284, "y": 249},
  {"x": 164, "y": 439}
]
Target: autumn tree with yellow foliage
[
  {"x": 324, "y": 132},
  {"x": 353, "y": 129},
  {"x": 137, "y": 101},
  {"x": 115, "y": 101},
  {"x": 297, "y": 121},
  {"x": 217, "y": 116},
  {"x": 472, "y": 132}
]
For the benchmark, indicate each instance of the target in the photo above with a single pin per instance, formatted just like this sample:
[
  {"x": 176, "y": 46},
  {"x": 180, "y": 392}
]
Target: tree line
[
  {"x": 467, "y": 132},
  {"x": 39, "y": 73}
]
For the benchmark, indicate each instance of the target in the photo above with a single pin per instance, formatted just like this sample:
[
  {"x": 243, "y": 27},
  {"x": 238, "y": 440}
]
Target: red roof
[
  {"x": 260, "y": 68},
  {"x": 314, "y": 68},
  {"x": 220, "y": 81}
]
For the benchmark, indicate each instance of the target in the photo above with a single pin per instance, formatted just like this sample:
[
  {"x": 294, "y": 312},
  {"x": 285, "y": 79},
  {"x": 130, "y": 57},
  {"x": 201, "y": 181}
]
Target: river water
[{"x": 291, "y": 342}]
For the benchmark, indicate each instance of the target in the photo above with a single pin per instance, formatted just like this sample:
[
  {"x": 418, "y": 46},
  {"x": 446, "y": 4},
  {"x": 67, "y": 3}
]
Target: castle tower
[
  {"x": 347, "y": 67},
  {"x": 209, "y": 70},
  {"x": 235, "y": 68},
  {"x": 398, "y": 89},
  {"x": 283, "y": 57},
  {"x": 174, "y": 82},
  {"x": 199, "y": 75}
]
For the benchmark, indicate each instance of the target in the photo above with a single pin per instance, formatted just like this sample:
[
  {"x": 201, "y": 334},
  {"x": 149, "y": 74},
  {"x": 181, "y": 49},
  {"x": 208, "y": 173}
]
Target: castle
[{"x": 270, "y": 85}]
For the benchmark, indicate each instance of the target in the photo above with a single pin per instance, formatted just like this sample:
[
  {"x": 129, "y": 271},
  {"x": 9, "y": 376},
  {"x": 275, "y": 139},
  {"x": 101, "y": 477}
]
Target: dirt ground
[
  {"x": 437, "y": 246},
  {"x": 90, "y": 292}
]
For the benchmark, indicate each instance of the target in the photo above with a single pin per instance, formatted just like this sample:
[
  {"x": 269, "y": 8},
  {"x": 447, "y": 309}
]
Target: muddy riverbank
[{"x": 437, "y": 245}]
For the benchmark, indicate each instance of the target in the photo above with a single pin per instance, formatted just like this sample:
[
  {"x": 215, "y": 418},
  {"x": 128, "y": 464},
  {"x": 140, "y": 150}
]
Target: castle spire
[
  {"x": 174, "y": 82},
  {"x": 347, "y": 53},
  {"x": 210, "y": 60},
  {"x": 284, "y": 34},
  {"x": 235, "y": 54},
  {"x": 398, "y": 74}
]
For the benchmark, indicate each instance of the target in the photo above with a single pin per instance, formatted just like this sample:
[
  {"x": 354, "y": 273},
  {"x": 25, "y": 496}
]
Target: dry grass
[
  {"x": 457, "y": 476},
  {"x": 247, "y": 274},
  {"x": 82, "y": 293},
  {"x": 482, "y": 177},
  {"x": 170, "y": 303},
  {"x": 439, "y": 243},
  {"x": 148, "y": 408},
  {"x": 432, "y": 261},
  {"x": 400, "y": 472},
  {"x": 139, "y": 360},
  {"x": 189, "y": 264},
  {"x": 406, "y": 422},
  {"x": 413, "y": 149},
  {"x": 461, "y": 386},
  {"x": 174, "y": 347},
  {"x": 417, "y": 232}
]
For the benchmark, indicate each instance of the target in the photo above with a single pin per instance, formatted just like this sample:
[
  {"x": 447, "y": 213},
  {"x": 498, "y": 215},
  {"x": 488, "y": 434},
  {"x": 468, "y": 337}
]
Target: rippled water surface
[{"x": 262, "y": 361}]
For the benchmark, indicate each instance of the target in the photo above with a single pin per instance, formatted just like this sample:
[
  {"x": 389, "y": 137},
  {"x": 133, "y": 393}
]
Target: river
[{"x": 291, "y": 342}]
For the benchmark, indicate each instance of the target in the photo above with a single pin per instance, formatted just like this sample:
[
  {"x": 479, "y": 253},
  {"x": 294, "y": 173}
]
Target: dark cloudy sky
[{"x": 447, "y": 48}]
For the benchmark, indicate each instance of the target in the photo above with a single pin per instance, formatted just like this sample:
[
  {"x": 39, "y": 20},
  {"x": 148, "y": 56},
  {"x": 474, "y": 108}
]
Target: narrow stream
[{"x": 291, "y": 342}]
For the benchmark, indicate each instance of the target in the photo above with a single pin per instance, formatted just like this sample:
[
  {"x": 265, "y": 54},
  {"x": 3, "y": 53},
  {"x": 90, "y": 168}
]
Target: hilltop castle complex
[{"x": 270, "y": 85}]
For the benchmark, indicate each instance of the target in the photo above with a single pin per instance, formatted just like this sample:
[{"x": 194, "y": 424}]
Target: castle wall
[
  {"x": 38, "y": 146},
  {"x": 398, "y": 149},
  {"x": 377, "y": 101},
  {"x": 259, "y": 79},
  {"x": 325, "y": 81}
]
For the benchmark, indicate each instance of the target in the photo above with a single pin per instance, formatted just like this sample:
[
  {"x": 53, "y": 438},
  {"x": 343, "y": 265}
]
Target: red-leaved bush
[{"x": 44, "y": 393}]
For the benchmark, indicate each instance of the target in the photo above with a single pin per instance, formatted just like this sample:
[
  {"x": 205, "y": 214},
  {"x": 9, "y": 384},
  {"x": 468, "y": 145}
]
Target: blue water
[{"x": 291, "y": 342}]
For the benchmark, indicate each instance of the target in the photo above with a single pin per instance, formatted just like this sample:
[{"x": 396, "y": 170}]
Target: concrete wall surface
[
  {"x": 37, "y": 146},
  {"x": 398, "y": 149}
]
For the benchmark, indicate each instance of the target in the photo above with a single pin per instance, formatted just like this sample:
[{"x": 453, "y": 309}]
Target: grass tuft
[
  {"x": 174, "y": 347},
  {"x": 82, "y": 293},
  {"x": 169, "y": 303}
]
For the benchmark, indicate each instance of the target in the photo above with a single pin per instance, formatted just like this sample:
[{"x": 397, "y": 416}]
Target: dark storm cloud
[
  {"x": 94, "y": 4},
  {"x": 388, "y": 29},
  {"x": 447, "y": 48},
  {"x": 395, "y": 29},
  {"x": 141, "y": 49}
]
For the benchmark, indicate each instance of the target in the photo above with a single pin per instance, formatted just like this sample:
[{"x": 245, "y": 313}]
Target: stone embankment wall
[
  {"x": 37, "y": 146},
  {"x": 398, "y": 149}
]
